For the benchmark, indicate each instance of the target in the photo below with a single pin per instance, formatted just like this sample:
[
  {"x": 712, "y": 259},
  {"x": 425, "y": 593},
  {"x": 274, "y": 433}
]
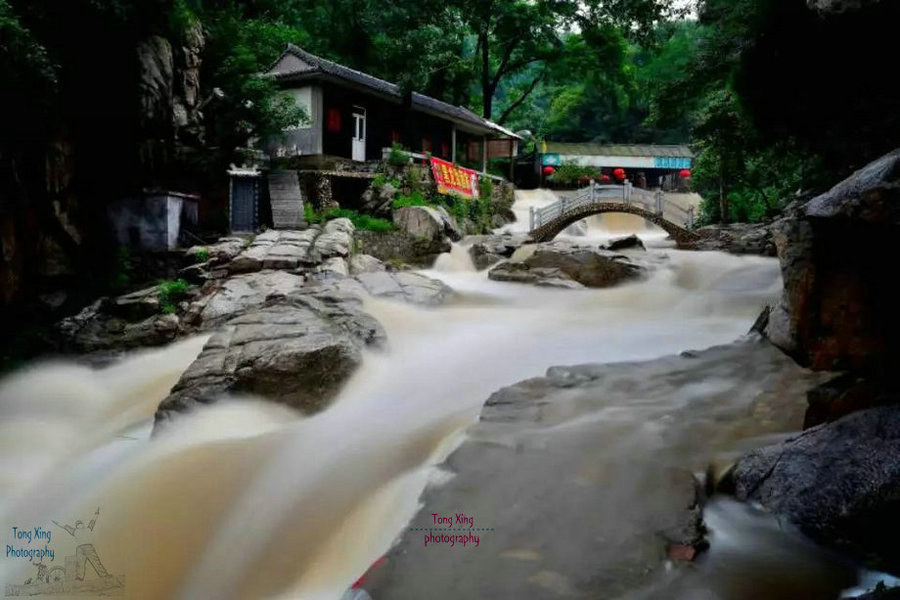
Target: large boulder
[
  {"x": 95, "y": 329},
  {"x": 490, "y": 249},
  {"x": 631, "y": 242},
  {"x": 555, "y": 263},
  {"x": 336, "y": 240},
  {"x": 737, "y": 238},
  {"x": 377, "y": 200},
  {"x": 838, "y": 311},
  {"x": 840, "y": 483},
  {"x": 298, "y": 351},
  {"x": 433, "y": 228},
  {"x": 364, "y": 263}
]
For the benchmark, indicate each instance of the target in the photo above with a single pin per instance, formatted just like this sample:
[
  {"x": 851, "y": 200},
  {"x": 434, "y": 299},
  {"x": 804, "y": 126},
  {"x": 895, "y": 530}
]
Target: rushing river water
[{"x": 245, "y": 499}]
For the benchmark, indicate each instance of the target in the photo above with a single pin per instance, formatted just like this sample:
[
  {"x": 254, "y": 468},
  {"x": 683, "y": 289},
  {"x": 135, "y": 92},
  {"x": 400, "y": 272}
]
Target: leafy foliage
[
  {"x": 414, "y": 198},
  {"x": 170, "y": 293},
  {"x": 360, "y": 221},
  {"x": 398, "y": 155}
]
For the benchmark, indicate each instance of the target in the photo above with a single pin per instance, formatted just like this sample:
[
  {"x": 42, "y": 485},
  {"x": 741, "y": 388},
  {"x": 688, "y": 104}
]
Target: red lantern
[
  {"x": 548, "y": 170},
  {"x": 619, "y": 173},
  {"x": 685, "y": 173},
  {"x": 604, "y": 179}
]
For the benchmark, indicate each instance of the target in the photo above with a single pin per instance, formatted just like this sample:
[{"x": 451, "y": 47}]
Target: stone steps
[{"x": 286, "y": 199}]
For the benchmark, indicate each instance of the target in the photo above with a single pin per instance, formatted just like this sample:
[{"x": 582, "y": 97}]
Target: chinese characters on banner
[{"x": 453, "y": 179}]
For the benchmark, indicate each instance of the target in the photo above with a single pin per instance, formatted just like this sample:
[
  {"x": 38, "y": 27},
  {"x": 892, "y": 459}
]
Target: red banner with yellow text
[{"x": 451, "y": 179}]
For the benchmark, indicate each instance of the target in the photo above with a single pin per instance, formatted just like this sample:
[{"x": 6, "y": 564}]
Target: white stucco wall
[{"x": 303, "y": 97}]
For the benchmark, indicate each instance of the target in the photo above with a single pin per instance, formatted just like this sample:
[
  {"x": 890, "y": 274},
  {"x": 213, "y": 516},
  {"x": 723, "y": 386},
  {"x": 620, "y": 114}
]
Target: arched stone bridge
[{"x": 549, "y": 221}]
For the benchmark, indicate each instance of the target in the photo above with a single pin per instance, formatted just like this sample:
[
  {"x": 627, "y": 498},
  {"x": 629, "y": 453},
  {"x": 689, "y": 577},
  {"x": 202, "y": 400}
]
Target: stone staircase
[{"x": 286, "y": 200}]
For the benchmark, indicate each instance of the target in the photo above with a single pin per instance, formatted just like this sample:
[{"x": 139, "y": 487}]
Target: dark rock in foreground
[
  {"x": 838, "y": 310},
  {"x": 576, "y": 488},
  {"x": 840, "y": 483}
]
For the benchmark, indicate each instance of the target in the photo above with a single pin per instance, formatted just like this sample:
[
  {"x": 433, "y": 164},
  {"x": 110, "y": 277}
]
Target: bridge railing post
[
  {"x": 691, "y": 217},
  {"x": 562, "y": 206},
  {"x": 530, "y": 218},
  {"x": 659, "y": 202},
  {"x": 592, "y": 191}
]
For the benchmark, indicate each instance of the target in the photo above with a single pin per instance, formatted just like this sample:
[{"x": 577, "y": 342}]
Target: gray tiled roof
[
  {"x": 617, "y": 150},
  {"x": 315, "y": 64}
]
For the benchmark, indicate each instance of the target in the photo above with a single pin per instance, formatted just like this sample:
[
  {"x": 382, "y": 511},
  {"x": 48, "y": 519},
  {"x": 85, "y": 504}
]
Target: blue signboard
[
  {"x": 551, "y": 160},
  {"x": 671, "y": 162}
]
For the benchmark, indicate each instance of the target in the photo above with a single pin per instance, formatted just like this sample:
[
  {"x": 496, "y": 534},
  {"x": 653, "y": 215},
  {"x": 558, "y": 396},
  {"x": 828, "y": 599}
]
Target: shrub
[
  {"x": 398, "y": 155},
  {"x": 202, "y": 255},
  {"x": 310, "y": 214},
  {"x": 486, "y": 188},
  {"x": 415, "y": 198},
  {"x": 371, "y": 223},
  {"x": 379, "y": 181},
  {"x": 367, "y": 222},
  {"x": 569, "y": 175},
  {"x": 170, "y": 292},
  {"x": 413, "y": 179},
  {"x": 122, "y": 269}
]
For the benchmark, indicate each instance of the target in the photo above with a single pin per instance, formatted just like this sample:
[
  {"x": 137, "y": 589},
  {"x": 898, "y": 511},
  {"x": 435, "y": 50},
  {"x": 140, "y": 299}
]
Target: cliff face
[{"x": 131, "y": 126}]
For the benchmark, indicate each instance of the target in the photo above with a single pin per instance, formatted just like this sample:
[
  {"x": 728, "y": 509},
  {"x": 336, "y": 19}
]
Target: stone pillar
[{"x": 324, "y": 196}]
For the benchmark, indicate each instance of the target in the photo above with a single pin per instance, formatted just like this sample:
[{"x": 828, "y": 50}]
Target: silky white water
[{"x": 245, "y": 499}]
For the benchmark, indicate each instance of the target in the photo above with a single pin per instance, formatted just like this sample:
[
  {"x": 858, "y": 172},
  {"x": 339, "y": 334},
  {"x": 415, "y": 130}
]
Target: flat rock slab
[
  {"x": 241, "y": 292},
  {"x": 579, "y": 484},
  {"x": 288, "y": 249},
  {"x": 403, "y": 285}
]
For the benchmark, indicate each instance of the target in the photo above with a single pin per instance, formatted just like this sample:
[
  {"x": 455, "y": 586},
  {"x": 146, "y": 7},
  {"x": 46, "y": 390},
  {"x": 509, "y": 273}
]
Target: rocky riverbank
[
  {"x": 839, "y": 481},
  {"x": 596, "y": 497},
  {"x": 284, "y": 310}
]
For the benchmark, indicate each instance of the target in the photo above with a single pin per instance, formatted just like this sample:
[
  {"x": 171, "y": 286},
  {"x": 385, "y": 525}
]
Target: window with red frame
[{"x": 334, "y": 119}]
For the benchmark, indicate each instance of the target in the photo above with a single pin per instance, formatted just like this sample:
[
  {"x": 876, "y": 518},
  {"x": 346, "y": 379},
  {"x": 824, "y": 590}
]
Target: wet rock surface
[
  {"x": 573, "y": 492},
  {"x": 632, "y": 242},
  {"x": 298, "y": 352},
  {"x": 489, "y": 250},
  {"x": 287, "y": 249},
  {"x": 737, "y": 238},
  {"x": 432, "y": 228},
  {"x": 840, "y": 483},
  {"x": 94, "y": 329},
  {"x": 560, "y": 265},
  {"x": 238, "y": 276}
]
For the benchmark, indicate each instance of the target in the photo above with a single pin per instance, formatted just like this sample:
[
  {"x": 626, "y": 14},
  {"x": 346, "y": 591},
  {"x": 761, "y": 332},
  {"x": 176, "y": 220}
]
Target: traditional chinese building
[{"x": 359, "y": 117}]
